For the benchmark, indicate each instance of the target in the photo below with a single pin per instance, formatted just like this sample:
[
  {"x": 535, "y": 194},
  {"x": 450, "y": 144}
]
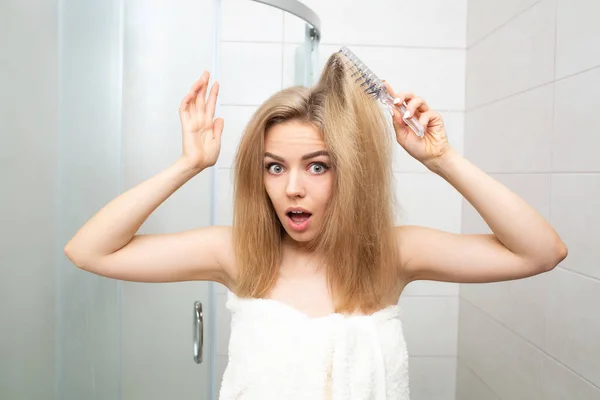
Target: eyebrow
[{"x": 304, "y": 157}]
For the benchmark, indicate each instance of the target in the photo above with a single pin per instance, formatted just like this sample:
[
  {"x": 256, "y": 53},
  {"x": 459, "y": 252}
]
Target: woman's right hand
[{"x": 201, "y": 132}]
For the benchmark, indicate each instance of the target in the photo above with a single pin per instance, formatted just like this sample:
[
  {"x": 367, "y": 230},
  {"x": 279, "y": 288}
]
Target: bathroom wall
[
  {"x": 415, "y": 46},
  {"x": 533, "y": 91},
  {"x": 28, "y": 171}
]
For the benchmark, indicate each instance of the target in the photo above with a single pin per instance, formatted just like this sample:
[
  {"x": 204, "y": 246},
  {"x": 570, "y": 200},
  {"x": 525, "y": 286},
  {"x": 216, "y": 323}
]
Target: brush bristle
[{"x": 367, "y": 80}]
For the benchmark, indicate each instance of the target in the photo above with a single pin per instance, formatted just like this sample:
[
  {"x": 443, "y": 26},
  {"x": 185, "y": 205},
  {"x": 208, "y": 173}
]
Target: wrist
[
  {"x": 188, "y": 168},
  {"x": 440, "y": 163}
]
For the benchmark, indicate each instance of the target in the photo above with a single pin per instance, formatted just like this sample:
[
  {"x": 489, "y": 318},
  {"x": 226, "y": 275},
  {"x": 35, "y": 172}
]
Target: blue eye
[
  {"x": 272, "y": 170},
  {"x": 320, "y": 168}
]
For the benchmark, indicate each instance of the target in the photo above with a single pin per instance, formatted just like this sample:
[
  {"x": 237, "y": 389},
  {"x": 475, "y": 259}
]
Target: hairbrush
[{"x": 373, "y": 86}]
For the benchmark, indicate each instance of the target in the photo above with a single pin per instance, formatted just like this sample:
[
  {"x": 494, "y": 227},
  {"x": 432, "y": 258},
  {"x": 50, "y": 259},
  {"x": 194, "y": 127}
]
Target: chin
[{"x": 300, "y": 237}]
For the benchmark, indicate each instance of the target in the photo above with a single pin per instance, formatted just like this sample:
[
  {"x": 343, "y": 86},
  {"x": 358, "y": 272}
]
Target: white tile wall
[
  {"x": 513, "y": 134},
  {"x": 519, "y": 304},
  {"x": 431, "y": 288},
  {"x": 575, "y": 216},
  {"x": 573, "y": 323},
  {"x": 578, "y": 35},
  {"x": 422, "y": 369},
  {"x": 249, "y": 72},
  {"x": 428, "y": 200},
  {"x": 224, "y": 206},
  {"x": 469, "y": 386},
  {"x": 517, "y": 57},
  {"x": 250, "y": 21},
  {"x": 430, "y": 325},
  {"x": 535, "y": 338},
  {"x": 562, "y": 383},
  {"x": 508, "y": 364},
  {"x": 430, "y": 23},
  {"x": 576, "y": 123},
  {"x": 485, "y": 16}
]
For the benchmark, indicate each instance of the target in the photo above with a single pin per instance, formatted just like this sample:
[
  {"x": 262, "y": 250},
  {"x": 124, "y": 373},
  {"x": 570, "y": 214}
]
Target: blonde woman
[{"x": 313, "y": 261}]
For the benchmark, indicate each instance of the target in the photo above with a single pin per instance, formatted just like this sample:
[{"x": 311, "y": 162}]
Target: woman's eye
[
  {"x": 318, "y": 168},
  {"x": 274, "y": 168}
]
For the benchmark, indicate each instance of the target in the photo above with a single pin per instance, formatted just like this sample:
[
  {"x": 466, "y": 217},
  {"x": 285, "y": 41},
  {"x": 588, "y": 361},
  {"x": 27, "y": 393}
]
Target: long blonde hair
[{"x": 356, "y": 237}]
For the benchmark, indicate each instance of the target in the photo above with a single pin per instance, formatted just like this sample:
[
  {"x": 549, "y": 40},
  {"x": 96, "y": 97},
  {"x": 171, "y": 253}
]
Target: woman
[{"x": 313, "y": 261}]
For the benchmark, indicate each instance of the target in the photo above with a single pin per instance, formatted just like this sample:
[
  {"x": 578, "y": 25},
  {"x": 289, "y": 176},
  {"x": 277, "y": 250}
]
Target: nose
[{"x": 295, "y": 185}]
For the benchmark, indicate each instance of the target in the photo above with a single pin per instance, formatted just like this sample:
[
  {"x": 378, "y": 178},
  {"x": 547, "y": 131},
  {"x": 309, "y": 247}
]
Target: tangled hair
[{"x": 356, "y": 237}]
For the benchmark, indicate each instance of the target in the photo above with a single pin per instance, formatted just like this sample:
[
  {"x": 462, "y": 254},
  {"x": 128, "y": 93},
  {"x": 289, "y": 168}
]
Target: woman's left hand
[{"x": 434, "y": 144}]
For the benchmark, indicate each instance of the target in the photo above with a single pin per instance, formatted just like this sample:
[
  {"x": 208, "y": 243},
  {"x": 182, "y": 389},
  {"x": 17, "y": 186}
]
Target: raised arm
[
  {"x": 522, "y": 243},
  {"x": 107, "y": 244}
]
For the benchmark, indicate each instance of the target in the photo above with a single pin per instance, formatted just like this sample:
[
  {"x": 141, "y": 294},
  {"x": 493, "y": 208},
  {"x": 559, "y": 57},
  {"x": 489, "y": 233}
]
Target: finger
[
  {"x": 414, "y": 104},
  {"x": 403, "y": 97},
  {"x": 185, "y": 102},
  {"x": 212, "y": 101},
  {"x": 397, "y": 118},
  {"x": 218, "y": 127},
  {"x": 199, "y": 89},
  {"x": 427, "y": 117}
]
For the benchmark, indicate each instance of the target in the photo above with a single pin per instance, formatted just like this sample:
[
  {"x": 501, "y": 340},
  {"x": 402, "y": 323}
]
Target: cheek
[
  {"x": 326, "y": 189},
  {"x": 272, "y": 191}
]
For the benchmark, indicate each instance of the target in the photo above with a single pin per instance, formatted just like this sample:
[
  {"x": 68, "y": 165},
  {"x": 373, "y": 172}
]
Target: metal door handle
[{"x": 198, "y": 332}]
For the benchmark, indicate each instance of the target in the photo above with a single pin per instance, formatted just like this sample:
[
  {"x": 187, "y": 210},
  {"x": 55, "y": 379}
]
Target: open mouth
[
  {"x": 298, "y": 217},
  {"x": 298, "y": 221}
]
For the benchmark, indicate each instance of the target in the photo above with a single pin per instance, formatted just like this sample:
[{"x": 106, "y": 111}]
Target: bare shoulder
[{"x": 408, "y": 236}]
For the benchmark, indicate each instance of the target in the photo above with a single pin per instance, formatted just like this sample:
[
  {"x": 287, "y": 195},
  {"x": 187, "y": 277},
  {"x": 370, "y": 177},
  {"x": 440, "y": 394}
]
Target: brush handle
[{"x": 414, "y": 123}]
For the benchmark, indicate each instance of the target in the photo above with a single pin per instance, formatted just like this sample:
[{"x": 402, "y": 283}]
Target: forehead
[{"x": 293, "y": 134}]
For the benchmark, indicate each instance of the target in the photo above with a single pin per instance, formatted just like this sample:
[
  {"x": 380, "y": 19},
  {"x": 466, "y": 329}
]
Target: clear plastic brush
[{"x": 373, "y": 86}]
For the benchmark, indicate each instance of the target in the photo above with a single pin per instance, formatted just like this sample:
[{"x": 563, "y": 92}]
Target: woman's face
[{"x": 298, "y": 177}]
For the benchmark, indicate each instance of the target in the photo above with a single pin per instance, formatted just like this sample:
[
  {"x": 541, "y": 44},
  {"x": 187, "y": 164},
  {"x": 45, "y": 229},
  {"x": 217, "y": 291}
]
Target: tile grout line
[
  {"x": 468, "y": 366},
  {"x": 514, "y": 17},
  {"x": 532, "y": 88},
  {"x": 530, "y": 343},
  {"x": 579, "y": 273}
]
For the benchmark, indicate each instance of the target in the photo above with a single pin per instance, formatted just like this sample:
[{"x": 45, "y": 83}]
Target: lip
[
  {"x": 301, "y": 227},
  {"x": 289, "y": 210}
]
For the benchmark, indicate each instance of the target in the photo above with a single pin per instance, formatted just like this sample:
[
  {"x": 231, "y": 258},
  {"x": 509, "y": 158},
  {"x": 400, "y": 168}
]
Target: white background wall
[
  {"x": 415, "y": 46},
  {"x": 533, "y": 94},
  {"x": 28, "y": 160}
]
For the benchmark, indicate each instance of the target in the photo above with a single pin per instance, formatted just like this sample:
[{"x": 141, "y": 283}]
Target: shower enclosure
[{"x": 124, "y": 66}]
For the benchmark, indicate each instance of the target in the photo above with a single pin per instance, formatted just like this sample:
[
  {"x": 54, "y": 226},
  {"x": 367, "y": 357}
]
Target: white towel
[{"x": 277, "y": 352}]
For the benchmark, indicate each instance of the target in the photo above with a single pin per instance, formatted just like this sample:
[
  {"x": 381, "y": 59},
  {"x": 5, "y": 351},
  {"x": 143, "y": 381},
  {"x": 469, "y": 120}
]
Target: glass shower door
[{"x": 124, "y": 67}]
